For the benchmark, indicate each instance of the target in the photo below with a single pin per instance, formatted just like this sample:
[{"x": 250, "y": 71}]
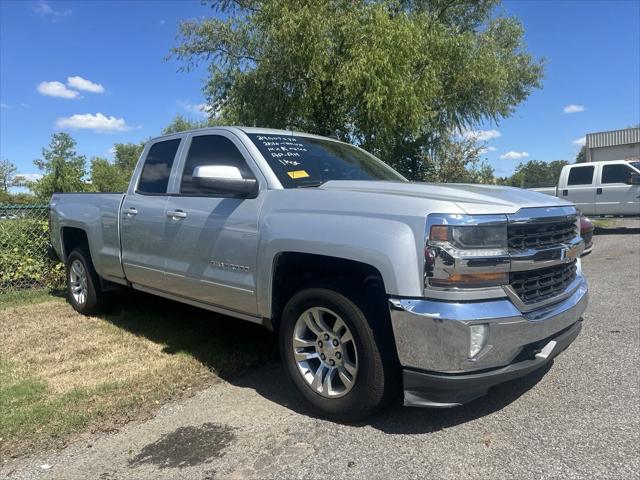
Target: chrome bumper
[{"x": 434, "y": 336}]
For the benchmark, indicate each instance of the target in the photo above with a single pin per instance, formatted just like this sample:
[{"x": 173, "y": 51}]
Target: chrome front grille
[
  {"x": 540, "y": 235},
  {"x": 533, "y": 286}
]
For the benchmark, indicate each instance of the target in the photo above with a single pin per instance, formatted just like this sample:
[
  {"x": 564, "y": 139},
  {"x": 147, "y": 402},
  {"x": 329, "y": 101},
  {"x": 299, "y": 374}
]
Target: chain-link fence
[{"x": 24, "y": 262}]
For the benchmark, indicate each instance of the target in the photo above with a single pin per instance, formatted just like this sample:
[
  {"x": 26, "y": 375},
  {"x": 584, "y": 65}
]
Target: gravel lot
[{"x": 579, "y": 420}]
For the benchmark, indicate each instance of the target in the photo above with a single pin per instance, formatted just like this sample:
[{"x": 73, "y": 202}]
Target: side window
[
  {"x": 211, "y": 150},
  {"x": 157, "y": 167},
  {"x": 616, "y": 173},
  {"x": 581, "y": 176}
]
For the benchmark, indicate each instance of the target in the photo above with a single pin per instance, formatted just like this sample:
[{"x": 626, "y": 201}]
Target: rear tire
[
  {"x": 315, "y": 316},
  {"x": 83, "y": 285}
]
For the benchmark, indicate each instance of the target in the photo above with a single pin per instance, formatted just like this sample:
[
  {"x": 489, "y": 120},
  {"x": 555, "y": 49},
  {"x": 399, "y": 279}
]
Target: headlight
[
  {"x": 467, "y": 237},
  {"x": 466, "y": 251}
]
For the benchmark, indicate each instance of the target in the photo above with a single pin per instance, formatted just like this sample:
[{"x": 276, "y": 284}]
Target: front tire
[
  {"x": 83, "y": 284},
  {"x": 340, "y": 367}
]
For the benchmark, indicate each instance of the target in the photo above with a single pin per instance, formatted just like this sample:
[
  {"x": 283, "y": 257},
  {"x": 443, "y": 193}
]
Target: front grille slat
[
  {"x": 533, "y": 286},
  {"x": 521, "y": 237},
  {"x": 537, "y": 285}
]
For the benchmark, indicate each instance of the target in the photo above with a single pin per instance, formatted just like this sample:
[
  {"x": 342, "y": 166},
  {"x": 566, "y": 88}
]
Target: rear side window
[
  {"x": 615, "y": 173},
  {"x": 157, "y": 167},
  {"x": 581, "y": 176},
  {"x": 211, "y": 150}
]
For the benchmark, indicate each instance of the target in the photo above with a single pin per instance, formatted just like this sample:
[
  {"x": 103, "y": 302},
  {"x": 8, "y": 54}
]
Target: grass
[
  {"x": 62, "y": 373},
  {"x": 603, "y": 222},
  {"x": 25, "y": 297}
]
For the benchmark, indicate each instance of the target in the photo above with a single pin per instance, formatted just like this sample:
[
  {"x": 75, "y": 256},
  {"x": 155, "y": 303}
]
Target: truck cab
[{"x": 601, "y": 188}]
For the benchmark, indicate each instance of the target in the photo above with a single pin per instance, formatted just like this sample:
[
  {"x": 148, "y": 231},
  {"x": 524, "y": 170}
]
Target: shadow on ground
[
  {"x": 227, "y": 346},
  {"x": 246, "y": 355},
  {"x": 616, "y": 231}
]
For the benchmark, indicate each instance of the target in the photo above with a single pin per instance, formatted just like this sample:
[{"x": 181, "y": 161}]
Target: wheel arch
[
  {"x": 294, "y": 271},
  {"x": 73, "y": 237}
]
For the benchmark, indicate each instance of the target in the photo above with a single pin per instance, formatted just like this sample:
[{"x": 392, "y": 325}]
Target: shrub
[{"x": 23, "y": 251}]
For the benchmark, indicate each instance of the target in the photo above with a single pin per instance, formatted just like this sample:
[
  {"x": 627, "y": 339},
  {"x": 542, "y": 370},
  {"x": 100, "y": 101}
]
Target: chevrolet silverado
[{"x": 378, "y": 288}]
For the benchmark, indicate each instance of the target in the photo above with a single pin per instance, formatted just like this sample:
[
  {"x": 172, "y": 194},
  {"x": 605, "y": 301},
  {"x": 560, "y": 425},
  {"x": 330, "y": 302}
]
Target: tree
[
  {"x": 115, "y": 176},
  {"x": 107, "y": 177},
  {"x": 7, "y": 175},
  {"x": 536, "y": 173},
  {"x": 486, "y": 174},
  {"x": 582, "y": 155},
  {"x": 63, "y": 168},
  {"x": 393, "y": 76},
  {"x": 126, "y": 157},
  {"x": 181, "y": 124}
]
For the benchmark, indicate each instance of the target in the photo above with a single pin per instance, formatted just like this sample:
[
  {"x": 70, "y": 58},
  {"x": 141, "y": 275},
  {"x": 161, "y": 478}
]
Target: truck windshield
[{"x": 300, "y": 161}]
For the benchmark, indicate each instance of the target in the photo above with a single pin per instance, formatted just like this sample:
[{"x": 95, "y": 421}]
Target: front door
[
  {"x": 212, "y": 239},
  {"x": 580, "y": 188},
  {"x": 142, "y": 221},
  {"x": 614, "y": 194}
]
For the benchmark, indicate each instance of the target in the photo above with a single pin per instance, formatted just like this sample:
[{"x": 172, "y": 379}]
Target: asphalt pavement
[{"x": 580, "y": 418}]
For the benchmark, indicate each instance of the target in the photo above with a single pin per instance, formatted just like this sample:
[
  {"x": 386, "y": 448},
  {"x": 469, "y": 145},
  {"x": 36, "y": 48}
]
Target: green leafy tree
[
  {"x": 126, "y": 157},
  {"x": 536, "y": 173},
  {"x": 21, "y": 198},
  {"x": 63, "y": 168},
  {"x": 485, "y": 174},
  {"x": 582, "y": 155},
  {"x": 7, "y": 175},
  {"x": 108, "y": 177},
  {"x": 395, "y": 77},
  {"x": 181, "y": 124}
]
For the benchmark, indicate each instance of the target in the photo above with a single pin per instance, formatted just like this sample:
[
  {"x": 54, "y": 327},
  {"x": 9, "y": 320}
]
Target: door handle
[
  {"x": 176, "y": 214},
  {"x": 565, "y": 192},
  {"x": 130, "y": 211},
  {"x": 598, "y": 191}
]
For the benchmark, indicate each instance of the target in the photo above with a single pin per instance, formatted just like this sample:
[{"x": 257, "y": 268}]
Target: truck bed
[{"x": 98, "y": 215}]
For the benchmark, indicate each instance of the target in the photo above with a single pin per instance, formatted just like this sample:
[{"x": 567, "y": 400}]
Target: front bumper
[{"x": 432, "y": 339}]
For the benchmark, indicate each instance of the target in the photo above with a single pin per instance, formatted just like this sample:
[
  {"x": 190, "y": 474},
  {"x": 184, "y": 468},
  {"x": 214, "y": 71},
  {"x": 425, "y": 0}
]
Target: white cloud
[
  {"x": 481, "y": 135},
  {"x": 573, "y": 108},
  {"x": 29, "y": 177},
  {"x": 56, "y": 89},
  {"x": 5, "y": 106},
  {"x": 80, "y": 83},
  {"x": 200, "y": 109},
  {"x": 513, "y": 155},
  {"x": 98, "y": 123},
  {"x": 580, "y": 141},
  {"x": 43, "y": 9},
  {"x": 162, "y": 22},
  {"x": 484, "y": 150}
]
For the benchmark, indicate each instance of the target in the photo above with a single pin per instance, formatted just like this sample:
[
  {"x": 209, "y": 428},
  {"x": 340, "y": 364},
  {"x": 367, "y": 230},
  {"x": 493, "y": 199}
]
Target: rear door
[
  {"x": 614, "y": 195},
  {"x": 212, "y": 239},
  {"x": 142, "y": 217},
  {"x": 580, "y": 188}
]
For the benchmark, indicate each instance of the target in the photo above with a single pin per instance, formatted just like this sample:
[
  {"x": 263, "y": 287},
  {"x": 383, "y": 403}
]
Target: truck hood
[{"x": 473, "y": 199}]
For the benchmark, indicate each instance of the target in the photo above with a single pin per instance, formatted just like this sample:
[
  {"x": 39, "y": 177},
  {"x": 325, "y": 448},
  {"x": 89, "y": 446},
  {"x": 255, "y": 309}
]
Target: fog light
[{"x": 478, "y": 339}]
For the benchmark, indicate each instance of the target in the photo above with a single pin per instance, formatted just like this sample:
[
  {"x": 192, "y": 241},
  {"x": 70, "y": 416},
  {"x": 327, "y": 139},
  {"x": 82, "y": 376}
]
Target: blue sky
[{"x": 113, "y": 84}]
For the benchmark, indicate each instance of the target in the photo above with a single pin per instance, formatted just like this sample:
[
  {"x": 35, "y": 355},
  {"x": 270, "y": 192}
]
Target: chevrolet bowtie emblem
[{"x": 569, "y": 254}]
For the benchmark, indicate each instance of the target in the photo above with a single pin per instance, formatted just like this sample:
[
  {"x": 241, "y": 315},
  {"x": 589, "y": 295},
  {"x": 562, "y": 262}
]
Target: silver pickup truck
[{"x": 375, "y": 285}]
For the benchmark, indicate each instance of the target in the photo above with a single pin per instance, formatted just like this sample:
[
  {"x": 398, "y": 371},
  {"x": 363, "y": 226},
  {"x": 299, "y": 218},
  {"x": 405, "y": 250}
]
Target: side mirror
[
  {"x": 633, "y": 179},
  {"x": 223, "y": 179}
]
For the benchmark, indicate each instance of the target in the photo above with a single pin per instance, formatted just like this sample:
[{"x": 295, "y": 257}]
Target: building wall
[{"x": 615, "y": 152}]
